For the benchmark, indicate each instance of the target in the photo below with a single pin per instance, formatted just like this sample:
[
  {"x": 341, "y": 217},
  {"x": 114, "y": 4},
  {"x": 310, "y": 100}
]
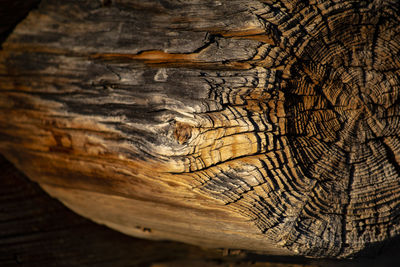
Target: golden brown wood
[
  {"x": 41, "y": 232},
  {"x": 270, "y": 126}
]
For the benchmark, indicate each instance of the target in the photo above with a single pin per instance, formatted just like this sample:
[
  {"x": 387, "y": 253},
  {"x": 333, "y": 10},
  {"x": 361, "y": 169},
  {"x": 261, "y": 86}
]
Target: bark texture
[{"x": 261, "y": 125}]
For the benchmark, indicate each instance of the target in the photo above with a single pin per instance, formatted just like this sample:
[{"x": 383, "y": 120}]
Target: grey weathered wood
[{"x": 262, "y": 125}]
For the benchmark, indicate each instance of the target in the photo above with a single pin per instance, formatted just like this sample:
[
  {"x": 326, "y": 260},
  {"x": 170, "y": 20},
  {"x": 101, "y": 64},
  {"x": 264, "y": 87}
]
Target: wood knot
[
  {"x": 63, "y": 143},
  {"x": 182, "y": 132}
]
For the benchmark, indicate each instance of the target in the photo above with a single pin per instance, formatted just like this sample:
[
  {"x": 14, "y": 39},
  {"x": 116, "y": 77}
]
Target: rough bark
[{"x": 261, "y": 125}]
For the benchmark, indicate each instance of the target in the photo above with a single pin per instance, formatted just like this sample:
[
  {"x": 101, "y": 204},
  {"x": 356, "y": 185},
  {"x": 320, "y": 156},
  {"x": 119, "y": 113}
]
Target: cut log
[
  {"x": 270, "y": 126},
  {"x": 36, "y": 230}
]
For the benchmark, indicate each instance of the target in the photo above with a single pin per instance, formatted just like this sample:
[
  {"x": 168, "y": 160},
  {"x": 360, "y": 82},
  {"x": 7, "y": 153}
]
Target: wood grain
[
  {"x": 270, "y": 126},
  {"x": 37, "y": 230}
]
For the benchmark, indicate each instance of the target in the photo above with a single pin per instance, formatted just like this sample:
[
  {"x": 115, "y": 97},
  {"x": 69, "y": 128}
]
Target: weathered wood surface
[
  {"x": 262, "y": 125},
  {"x": 37, "y": 230}
]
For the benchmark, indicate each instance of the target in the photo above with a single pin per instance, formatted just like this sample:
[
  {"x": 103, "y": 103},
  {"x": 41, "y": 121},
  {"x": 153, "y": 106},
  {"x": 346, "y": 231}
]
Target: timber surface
[
  {"x": 37, "y": 230},
  {"x": 270, "y": 126}
]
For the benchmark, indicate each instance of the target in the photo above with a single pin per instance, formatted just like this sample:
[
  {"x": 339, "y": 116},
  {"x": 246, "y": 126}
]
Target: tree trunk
[{"x": 270, "y": 126}]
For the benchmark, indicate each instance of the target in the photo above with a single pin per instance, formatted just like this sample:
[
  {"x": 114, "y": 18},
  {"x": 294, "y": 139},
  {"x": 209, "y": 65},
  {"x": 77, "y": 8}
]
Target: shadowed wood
[
  {"x": 12, "y": 12},
  {"x": 262, "y": 125}
]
